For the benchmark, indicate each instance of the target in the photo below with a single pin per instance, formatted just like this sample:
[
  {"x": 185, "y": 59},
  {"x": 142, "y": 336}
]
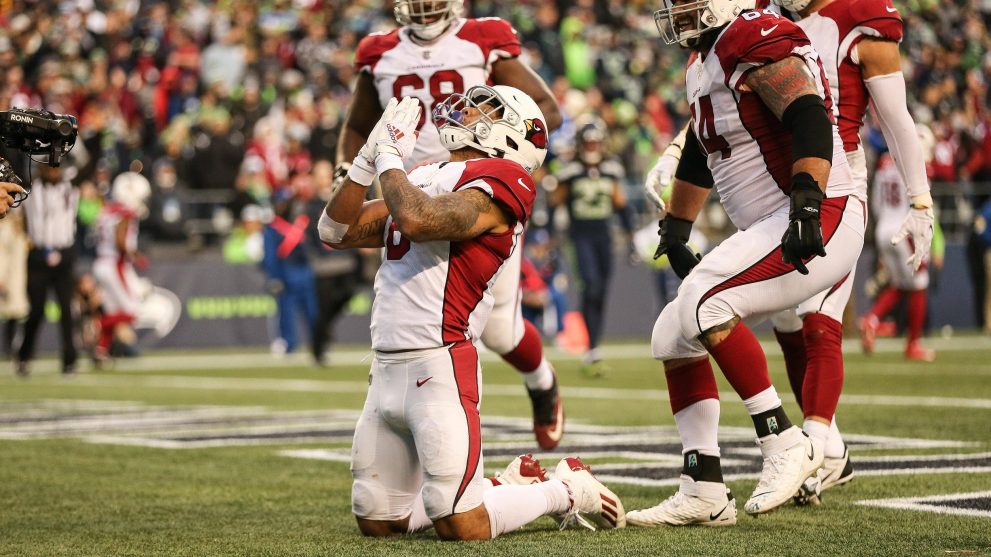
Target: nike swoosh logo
[
  {"x": 812, "y": 455},
  {"x": 420, "y": 382},
  {"x": 520, "y": 180},
  {"x": 558, "y": 431},
  {"x": 715, "y": 516},
  {"x": 766, "y": 32},
  {"x": 890, "y": 9}
]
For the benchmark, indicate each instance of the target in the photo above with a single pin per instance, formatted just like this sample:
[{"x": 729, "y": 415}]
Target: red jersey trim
[{"x": 371, "y": 49}]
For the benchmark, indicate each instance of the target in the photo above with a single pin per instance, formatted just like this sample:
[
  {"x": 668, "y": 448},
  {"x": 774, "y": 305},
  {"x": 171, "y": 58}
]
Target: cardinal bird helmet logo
[{"x": 536, "y": 132}]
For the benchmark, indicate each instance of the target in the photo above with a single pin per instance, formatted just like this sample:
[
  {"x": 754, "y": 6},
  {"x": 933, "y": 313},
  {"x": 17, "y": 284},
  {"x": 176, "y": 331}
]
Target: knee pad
[
  {"x": 667, "y": 341},
  {"x": 370, "y": 500},
  {"x": 787, "y": 321},
  {"x": 504, "y": 330}
]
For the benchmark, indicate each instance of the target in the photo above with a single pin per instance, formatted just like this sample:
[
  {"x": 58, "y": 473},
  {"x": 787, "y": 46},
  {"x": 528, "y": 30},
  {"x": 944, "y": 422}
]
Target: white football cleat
[
  {"x": 704, "y": 503},
  {"x": 834, "y": 472},
  {"x": 790, "y": 457},
  {"x": 592, "y": 503},
  {"x": 523, "y": 470}
]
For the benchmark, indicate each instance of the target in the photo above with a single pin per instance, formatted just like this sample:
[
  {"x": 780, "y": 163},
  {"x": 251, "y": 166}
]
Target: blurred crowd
[{"x": 227, "y": 106}]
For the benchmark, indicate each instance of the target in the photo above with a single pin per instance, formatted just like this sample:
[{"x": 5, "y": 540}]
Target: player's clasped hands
[
  {"x": 395, "y": 133},
  {"x": 397, "y": 136}
]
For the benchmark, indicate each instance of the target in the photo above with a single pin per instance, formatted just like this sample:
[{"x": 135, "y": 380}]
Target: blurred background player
[
  {"x": 590, "y": 187},
  {"x": 890, "y": 205},
  {"x": 116, "y": 256},
  {"x": 288, "y": 271},
  {"x": 437, "y": 53}
]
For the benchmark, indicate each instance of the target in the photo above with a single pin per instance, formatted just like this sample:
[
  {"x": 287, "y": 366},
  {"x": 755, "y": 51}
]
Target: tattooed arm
[
  {"x": 364, "y": 221},
  {"x": 454, "y": 216},
  {"x": 789, "y": 91},
  {"x": 368, "y": 229}
]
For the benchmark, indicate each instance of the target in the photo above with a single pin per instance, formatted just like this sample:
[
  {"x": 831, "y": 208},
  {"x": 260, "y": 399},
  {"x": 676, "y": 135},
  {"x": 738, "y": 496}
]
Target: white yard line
[
  {"x": 357, "y": 356},
  {"x": 360, "y": 387}
]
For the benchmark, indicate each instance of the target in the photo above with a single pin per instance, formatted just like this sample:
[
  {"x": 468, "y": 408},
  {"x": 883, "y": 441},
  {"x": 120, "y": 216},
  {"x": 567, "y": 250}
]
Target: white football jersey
[
  {"x": 106, "y": 228},
  {"x": 835, "y": 31},
  {"x": 889, "y": 201},
  {"x": 459, "y": 59},
  {"x": 749, "y": 150},
  {"x": 432, "y": 294}
]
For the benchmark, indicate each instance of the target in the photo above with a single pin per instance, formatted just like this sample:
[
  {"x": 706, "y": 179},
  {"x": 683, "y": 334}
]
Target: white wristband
[
  {"x": 360, "y": 172},
  {"x": 388, "y": 161},
  {"x": 331, "y": 231},
  {"x": 922, "y": 201}
]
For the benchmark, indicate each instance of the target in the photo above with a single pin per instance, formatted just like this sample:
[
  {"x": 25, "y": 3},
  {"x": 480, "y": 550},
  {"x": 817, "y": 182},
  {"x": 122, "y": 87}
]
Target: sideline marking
[{"x": 929, "y": 503}]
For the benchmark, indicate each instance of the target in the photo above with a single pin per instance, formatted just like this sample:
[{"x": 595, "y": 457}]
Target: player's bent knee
[
  {"x": 786, "y": 321},
  {"x": 465, "y": 526},
  {"x": 369, "y": 501},
  {"x": 381, "y": 528}
]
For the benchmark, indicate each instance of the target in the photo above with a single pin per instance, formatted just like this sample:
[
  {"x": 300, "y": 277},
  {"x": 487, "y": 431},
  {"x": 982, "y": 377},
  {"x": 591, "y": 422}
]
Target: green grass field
[{"x": 188, "y": 454}]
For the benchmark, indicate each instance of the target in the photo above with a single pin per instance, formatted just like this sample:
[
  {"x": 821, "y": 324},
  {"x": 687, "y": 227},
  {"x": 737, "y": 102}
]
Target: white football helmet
[
  {"x": 681, "y": 22},
  {"x": 427, "y": 19},
  {"x": 793, "y": 5},
  {"x": 131, "y": 190},
  {"x": 510, "y": 125}
]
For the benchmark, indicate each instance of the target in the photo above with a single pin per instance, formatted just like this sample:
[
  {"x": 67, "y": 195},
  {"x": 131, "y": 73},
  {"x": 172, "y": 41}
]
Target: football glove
[
  {"x": 362, "y": 168},
  {"x": 918, "y": 225},
  {"x": 661, "y": 176},
  {"x": 674, "y": 233},
  {"x": 803, "y": 238},
  {"x": 398, "y": 135}
]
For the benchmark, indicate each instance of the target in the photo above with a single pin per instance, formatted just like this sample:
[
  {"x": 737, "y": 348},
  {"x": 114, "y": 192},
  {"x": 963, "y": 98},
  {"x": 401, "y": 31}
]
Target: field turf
[{"x": 198, "y": 454}]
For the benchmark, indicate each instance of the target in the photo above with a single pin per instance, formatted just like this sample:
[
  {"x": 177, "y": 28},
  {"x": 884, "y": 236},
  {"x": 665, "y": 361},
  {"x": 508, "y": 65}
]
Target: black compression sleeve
[
  {"x": 811, "y": 131},
  {"x": 693, "y": 167}
]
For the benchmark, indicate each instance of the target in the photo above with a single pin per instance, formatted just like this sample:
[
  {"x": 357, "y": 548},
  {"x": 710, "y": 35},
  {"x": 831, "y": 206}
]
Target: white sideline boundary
[{"x": 923, "y": 503}]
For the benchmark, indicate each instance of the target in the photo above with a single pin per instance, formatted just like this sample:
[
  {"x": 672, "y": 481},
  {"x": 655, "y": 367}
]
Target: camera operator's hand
[{"x": 7, "y": 193}]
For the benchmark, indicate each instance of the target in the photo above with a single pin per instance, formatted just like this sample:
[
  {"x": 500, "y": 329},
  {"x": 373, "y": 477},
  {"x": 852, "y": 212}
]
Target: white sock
[
  {"x": 762, "y": 401},
  {"x": 541, "y": 378},
  {"x": 510, "y": 507},
  {"x": 817, "y": 431},
  {"x": 834, "y": 442},
  {"x": 698, "y": 426},
  {"x": 418, "y": 519}
]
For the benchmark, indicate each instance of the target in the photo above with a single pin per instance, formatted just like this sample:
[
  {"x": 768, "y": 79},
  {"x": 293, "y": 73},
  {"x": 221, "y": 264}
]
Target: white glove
[
  {"x": 397, "y": 138},
  {"x": 918, "y": 225},
  {"x": 662, "y": 175},
  {"x": 660, "y": 178},
  {"x": 362, "y": 169}
]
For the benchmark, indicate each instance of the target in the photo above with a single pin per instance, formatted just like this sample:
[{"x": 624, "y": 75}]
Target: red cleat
[
  {"x": 548, "y": 416},
  {"x": 868, "y": 332},
  {"x": 917, "y": 353}
]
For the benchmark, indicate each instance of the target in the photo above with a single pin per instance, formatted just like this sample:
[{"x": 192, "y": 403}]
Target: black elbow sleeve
[
  {"x": 694, "y": 165},
  {"x": 811, "y": 131}
]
